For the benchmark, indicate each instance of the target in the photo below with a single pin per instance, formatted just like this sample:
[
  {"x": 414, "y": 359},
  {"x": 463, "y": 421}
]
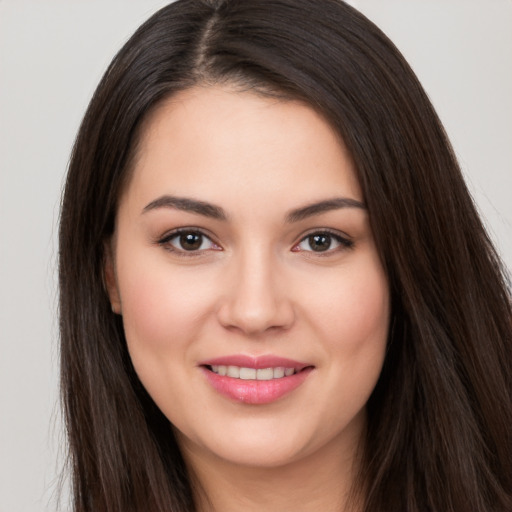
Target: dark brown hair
[{"x": 439, "y": 435}]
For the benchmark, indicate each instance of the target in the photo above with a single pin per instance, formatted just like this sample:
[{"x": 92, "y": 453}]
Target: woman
[{"x": 275, "y": 289}]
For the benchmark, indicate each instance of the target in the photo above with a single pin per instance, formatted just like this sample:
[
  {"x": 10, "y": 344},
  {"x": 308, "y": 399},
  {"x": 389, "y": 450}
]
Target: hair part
[{"x": 439, "y": 434}]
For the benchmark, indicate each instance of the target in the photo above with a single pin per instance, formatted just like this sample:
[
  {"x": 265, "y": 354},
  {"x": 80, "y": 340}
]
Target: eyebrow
[
  {"x": 322, "y": 207},
  {"x": 187, "y": 205},
  {"x": 216, "y": 212}
]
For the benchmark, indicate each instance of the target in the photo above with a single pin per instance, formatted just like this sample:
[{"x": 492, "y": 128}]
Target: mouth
[
  {"x": 255, "y": 381},
  {"x": 245, "y": 373}
]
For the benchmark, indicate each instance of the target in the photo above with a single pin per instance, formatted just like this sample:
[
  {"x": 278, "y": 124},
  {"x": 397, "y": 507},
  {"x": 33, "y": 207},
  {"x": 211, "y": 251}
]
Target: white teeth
[
  {"x": 233, "y": 371},
  {"x": 278, "y": 372},
  {"x": 265, "y": 374},
  {"x": 248, "y": 373},
  {"x": 237, "y": 372}
]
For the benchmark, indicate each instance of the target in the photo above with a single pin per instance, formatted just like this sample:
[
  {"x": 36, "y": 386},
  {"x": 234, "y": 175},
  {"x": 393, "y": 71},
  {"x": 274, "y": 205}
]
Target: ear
[{"x": 110, "y": 278}]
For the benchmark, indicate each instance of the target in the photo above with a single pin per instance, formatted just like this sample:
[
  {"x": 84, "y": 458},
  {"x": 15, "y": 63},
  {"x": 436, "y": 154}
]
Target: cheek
[
  {"x": 353, "y": 315},
  {"x": 356, "y": 323},
  {"x": 163, "y": 314},
  {"x": 161, "y": 307}
]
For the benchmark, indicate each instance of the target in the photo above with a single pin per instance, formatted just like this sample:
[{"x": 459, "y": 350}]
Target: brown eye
[
  {"x": 320, "y": 242},
  {"x": 323, "y": 241},
  {"x": 190, "y": 241},
  {"x": 184, "y": 241}
]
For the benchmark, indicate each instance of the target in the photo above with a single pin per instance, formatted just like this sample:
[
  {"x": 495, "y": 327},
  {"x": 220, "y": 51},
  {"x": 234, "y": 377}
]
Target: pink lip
[
  {"x": 258, "y": 362},
  {"x": 255, "y": 391}
]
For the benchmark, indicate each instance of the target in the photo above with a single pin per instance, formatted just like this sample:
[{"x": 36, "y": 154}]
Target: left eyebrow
[{"x": 323, "y": 206}]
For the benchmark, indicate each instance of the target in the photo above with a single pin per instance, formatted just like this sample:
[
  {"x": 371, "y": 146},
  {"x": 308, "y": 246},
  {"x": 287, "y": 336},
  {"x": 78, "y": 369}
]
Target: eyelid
[
  {"x": 165, "y": 239},
  {"x": 343, "y": 239}
]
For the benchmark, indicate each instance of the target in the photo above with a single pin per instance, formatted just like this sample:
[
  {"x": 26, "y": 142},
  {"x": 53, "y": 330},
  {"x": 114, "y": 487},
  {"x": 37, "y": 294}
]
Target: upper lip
[{"x": 257, "y": 362}]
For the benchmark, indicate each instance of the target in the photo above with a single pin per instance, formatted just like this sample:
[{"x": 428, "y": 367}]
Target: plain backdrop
[{"x": 52, "y": 54}]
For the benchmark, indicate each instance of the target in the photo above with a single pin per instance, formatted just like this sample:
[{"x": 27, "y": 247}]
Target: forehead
[{"x": 213, "y": 142}]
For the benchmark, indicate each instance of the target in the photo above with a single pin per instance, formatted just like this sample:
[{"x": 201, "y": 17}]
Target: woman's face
[{"x": 254, "y": 302}]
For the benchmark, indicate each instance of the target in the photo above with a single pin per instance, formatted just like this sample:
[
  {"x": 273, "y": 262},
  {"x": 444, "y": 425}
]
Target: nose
[{"x": 256, "y": 299}]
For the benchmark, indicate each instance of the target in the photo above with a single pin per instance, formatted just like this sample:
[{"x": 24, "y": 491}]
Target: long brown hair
[{"x": 440, "y": 418}]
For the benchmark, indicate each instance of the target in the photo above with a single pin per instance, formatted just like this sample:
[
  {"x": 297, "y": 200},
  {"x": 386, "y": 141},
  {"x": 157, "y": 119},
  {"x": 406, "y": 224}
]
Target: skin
[{"x": 254, "y": 287}]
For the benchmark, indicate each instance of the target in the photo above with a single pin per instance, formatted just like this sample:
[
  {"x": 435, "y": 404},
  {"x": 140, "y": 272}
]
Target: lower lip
[{"x": 255, "y": 391}]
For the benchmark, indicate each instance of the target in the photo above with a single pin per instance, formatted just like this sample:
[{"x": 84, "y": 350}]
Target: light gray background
[{"x": 52, "y": 54}]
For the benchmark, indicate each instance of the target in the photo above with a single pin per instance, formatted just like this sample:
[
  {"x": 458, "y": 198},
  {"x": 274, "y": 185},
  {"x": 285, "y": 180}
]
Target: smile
[
  {"x": 255, "y": 380},
  {"x": 237, "y": 372}
]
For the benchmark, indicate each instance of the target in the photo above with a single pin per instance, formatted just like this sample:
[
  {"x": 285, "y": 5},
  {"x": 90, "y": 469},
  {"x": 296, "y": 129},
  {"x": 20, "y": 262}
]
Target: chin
[
  {"x": 265, "y": 447},
  {"x": 261, "y": 456}
]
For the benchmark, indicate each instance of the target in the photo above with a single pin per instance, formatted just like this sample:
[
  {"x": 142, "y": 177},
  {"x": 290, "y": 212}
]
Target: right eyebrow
[{"x": 188, "y": 205}]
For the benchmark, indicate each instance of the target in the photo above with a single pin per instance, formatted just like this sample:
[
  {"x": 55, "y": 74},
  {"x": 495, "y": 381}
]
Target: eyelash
[
  {"x": 344, "y": 241},
  {"x": 165, "y": 242}
]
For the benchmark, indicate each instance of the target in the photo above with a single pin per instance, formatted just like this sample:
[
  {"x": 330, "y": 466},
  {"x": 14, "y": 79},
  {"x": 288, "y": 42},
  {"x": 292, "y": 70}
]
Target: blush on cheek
[
  {"x": 161, "y": 307},
  {"x": 368, "y": 297},
  {"x": 373, "y": 317},
  {"x": 357, "y": 317},
  {"x": 147, "y": 311}
]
